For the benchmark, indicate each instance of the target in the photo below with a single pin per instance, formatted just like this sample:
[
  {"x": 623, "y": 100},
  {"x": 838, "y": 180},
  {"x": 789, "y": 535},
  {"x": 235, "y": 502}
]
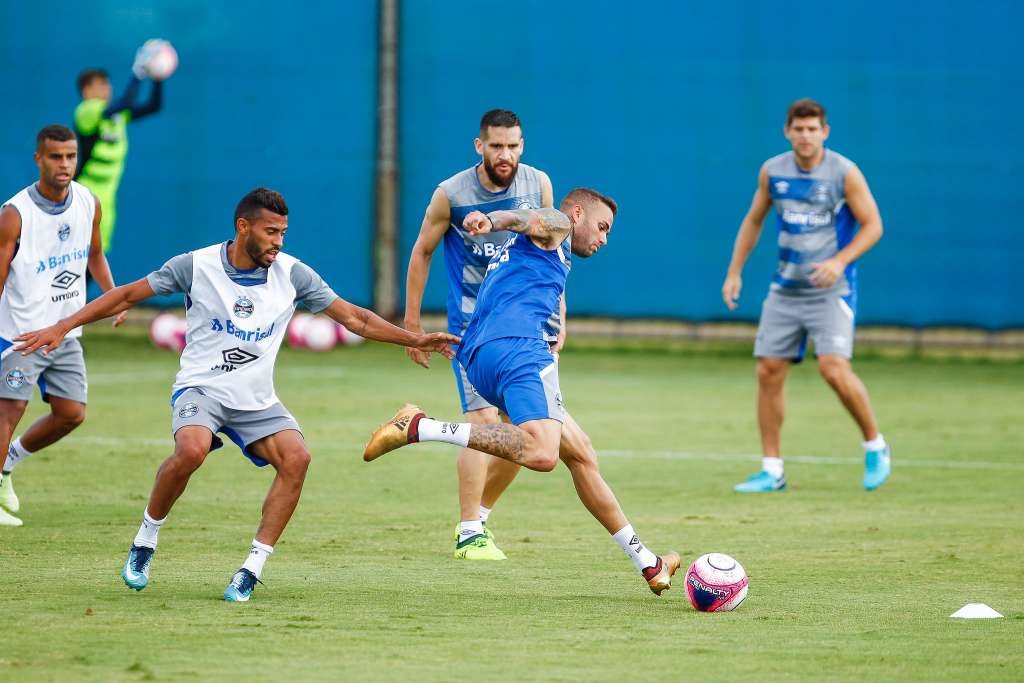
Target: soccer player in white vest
[
  {"x": 49, "y": 236},
  {"x": 239, "y": 297},
  {"x": 819, "y": 198}
]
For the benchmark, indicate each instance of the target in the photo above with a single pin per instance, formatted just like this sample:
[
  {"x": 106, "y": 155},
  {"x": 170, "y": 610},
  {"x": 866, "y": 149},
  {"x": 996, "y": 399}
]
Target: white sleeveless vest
[
  {"x": 46, "y": 281},
  {"x": 234, "y": 331}
]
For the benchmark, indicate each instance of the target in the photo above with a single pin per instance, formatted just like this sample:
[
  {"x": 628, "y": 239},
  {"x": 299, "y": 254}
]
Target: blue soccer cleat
[
  {"x": 136, "y": 568},
  {"x": 762, "y": 482},
  {"x": 241, "y": 586},
  {"x": 877, "y": 467}
]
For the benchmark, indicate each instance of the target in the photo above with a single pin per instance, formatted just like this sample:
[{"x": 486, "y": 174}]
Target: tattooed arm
[{"x": 547, "y": 228}]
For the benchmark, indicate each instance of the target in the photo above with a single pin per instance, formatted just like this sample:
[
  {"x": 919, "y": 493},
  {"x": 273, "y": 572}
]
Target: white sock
[
  {"x": 630, "y": 543},
  {"x": 484, "y": 514},
  {"x": 876, "y": 444},
  {"x": 772, "y": 466},
  {"x": 448, "y": 432},
  {"x": 15, "y": 454},
  {"x": 258, "y": 555},
  {"x": 470, "y": 529},
  {"x": 146, "y": 538}
]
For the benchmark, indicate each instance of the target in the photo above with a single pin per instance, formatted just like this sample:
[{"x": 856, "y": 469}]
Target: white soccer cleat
[
  {"x": 8, "y": 498},
  {"x": 7, "y": 519}
]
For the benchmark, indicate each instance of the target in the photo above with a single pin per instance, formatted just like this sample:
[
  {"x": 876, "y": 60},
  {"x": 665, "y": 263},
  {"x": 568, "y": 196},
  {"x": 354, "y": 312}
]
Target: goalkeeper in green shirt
[{"x": 101, "y": 125}]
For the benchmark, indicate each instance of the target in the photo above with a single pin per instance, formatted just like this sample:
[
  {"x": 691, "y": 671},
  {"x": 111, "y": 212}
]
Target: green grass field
[{"x": 844, "y": 585}]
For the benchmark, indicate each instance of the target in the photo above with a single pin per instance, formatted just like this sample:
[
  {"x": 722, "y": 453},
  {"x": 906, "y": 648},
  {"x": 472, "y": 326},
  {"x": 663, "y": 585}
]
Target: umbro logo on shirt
[
  {"x": 234, "y": 359},
  {"x": 64, "y": 279},
  {"x": 238, "y": 356}
]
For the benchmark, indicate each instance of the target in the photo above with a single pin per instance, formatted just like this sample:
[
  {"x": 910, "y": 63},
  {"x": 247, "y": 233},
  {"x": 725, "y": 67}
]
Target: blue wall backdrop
[
  {"x": 264, "y": 95},
  {"x": 670, "y": 107}
]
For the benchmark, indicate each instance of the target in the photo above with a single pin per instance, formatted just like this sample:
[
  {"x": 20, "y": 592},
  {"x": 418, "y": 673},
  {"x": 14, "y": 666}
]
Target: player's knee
[
  {"x": 189, "y": 456},
  {"x": 540, "y": 456},
  {"x": 543, "y": 461},
  {"x": 771, "y": 370},
  {"x": 833, "y": 370},
  {"x": 296, "y": 461},
  {"x": 72, "y": 417}
]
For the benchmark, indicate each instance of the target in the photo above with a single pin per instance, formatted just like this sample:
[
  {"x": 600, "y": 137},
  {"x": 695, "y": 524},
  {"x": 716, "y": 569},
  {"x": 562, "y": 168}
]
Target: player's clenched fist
[{"x": 477, "y": 223}]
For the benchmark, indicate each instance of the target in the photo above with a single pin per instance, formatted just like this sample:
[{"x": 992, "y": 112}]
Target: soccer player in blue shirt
[
  {"x": 508, "y": 361},
  {"x": 497, "y": 181}
]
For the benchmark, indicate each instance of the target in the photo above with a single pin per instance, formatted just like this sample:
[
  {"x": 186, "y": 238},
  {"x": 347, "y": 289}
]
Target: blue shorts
[{"x": 519, "y": 376}]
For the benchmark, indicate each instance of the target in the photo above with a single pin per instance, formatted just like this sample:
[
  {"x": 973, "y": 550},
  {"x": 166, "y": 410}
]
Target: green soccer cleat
[
  {"x": 8, "y": 498},
  {"x": 478, "y": 547},
  {"x": 487, "y": 532},
  {"x": 7, "y": 519}
]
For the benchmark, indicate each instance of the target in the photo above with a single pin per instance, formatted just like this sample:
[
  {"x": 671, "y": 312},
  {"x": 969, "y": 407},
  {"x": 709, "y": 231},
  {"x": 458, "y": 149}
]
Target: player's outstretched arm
[
  {"x": 746, "y": 240},
  {"x": 435, "y": 224},
  {"x": 114, "y": 301},
  {"x": 546, "y": 227},
  {"x": 368, "y": 324}
]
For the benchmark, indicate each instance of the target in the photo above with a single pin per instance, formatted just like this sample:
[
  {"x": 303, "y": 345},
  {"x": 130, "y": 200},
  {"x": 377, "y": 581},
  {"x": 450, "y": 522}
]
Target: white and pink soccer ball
[
  {"x": 161, "y": 59},
  {"x": 716, "y": 583},
  {"x": 167, "y": 331}
]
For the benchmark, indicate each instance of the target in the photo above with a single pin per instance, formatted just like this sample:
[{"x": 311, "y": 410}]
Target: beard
[
  {"x": 260, "y": 257},
  {"x": 492, "y": 174}
]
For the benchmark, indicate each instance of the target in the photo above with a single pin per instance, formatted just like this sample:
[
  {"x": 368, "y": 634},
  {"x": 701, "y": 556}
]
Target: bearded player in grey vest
[
  {"x": 820, "y": 197},
  {"x": 239, "y": 297},
  {"x": 497, "y": 182},
  {"x": 49, "y": 236}
]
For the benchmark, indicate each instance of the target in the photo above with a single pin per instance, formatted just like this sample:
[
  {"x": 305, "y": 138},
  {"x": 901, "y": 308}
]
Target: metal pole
[{"x": 385, "y": 285}]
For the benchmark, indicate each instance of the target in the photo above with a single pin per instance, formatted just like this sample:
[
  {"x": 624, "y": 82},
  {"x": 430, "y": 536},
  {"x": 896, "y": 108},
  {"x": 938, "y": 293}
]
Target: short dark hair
[
  {"x": 584, "y": 195},
  {"x": 261, "y": 198},
  {"x": 54, "y": 131},
  {"x": 89, "y": 75},
  {"x": 806, "y": 108},
  {"x": 499, "y": 118}
]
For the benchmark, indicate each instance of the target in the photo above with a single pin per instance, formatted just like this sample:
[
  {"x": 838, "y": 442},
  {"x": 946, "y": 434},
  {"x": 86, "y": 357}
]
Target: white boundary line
[{"x": 815, "y": 459}]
